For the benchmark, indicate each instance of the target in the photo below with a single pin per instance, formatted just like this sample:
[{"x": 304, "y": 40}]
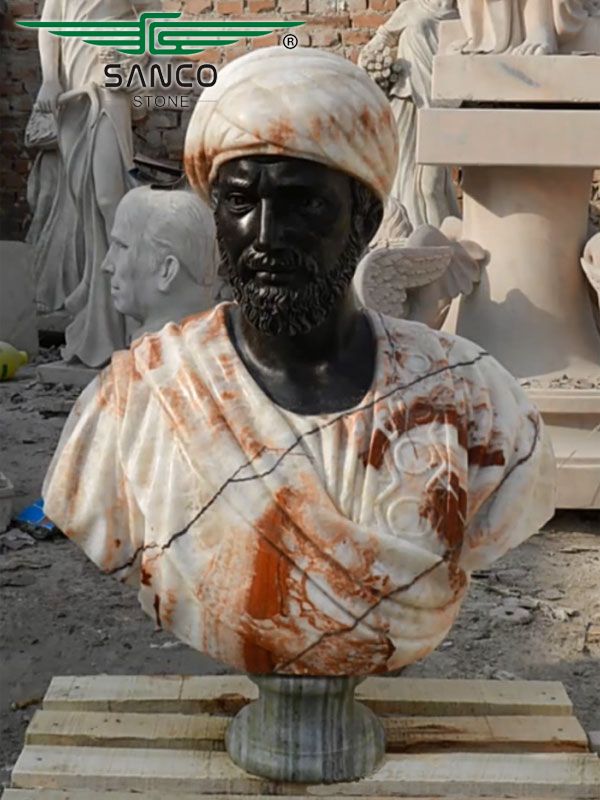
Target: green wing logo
[{"x": 160, "y": 33}]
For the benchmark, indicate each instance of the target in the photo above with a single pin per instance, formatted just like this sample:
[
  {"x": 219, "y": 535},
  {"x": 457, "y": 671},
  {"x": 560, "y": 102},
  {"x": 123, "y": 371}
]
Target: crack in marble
[
  {"x": 364, "y": 407},
  {"x": 152, "y": 545},
  {"x": 525, "y": 458},
  {"x": 233, "y": 479},
  {"x": 398, "y": 590},
  {"x": 390, "y": 342}
]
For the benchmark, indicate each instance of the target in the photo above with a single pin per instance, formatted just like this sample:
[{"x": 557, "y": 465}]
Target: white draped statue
[
  {"x": 522, "y": 27},
  {"x": 410, "y": 37},
  {"x": 96, "y": 147},
  {"x": 53, "y": 229}
]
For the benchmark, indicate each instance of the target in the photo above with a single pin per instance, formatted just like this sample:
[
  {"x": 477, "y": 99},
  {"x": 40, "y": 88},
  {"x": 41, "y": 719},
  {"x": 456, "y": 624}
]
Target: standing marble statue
[
  {"x": 300, "y": 486},
  {"x": 95, "y": 142},
  {"x": 53, "y": 230},
  {"x": 521, "y": 27},
  {"x": 162, "y": 258},
  {"x": 400, "y": 58}
]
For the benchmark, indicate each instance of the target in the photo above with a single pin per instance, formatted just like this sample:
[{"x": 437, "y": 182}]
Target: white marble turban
[{"x": 303, "y": 103}]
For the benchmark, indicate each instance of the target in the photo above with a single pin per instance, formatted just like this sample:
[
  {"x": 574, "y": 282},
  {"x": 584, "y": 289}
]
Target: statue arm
[
  {"x": 393, "y": 29},
  {"x": 388, "y": 34},
  {"x": 49, "y": 47},
  {"x": 49, "y": 44}
]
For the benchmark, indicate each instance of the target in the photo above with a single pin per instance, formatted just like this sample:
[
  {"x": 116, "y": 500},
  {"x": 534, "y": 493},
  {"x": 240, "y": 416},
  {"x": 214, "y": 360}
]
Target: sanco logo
[{"x": 161, "y": 34}]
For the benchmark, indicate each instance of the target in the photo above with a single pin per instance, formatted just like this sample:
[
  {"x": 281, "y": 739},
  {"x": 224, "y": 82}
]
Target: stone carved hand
[{"x": 47, "y": 99}]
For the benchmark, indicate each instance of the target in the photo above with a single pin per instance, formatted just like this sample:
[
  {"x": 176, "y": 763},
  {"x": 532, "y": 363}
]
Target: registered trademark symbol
[{"x": 290, "y": 41}]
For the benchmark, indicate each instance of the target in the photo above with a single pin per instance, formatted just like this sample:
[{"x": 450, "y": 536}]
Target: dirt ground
[{"x": 535, "y": 615}]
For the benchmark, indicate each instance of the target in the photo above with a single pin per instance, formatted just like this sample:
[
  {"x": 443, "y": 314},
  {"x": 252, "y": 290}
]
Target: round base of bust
[{"x": 306, "y": 730}]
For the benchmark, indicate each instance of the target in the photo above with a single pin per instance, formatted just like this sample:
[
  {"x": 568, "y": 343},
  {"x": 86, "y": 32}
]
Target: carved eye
[
  {"x": 312, "y": 204},
  {"x": 238, "y": 202}
]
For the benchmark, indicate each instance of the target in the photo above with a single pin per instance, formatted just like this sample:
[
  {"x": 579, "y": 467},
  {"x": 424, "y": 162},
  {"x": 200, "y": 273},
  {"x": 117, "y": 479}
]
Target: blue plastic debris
[{"x": 33, "y": 516}]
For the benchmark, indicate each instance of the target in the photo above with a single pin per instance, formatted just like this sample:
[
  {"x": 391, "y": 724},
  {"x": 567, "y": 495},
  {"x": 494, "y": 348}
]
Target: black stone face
[
  {"x": 291, "y": 233},
  {"x": 289, "y": 239}
]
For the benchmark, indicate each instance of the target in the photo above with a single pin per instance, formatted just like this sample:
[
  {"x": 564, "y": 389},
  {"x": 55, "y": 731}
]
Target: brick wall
[{"x": 341, "y": 26}]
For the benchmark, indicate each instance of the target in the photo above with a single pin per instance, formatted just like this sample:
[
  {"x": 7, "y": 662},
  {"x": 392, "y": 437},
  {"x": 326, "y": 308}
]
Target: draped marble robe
[
  {"x": 333, "y": 544},
  {"x": 53, "y": 227}
]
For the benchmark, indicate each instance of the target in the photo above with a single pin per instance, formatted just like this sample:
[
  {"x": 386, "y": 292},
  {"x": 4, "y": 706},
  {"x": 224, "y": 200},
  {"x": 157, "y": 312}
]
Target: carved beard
[{"x": 279, "y": 310}]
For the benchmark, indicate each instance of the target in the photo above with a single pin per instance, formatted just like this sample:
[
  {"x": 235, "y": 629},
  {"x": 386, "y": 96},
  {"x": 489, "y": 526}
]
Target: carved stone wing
[
  {"x": 464, "y": 270},
  {"x": 386, "y": 275}
]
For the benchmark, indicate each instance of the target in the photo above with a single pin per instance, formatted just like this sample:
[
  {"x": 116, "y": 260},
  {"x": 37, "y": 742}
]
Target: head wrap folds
[{"x": 302, "y": 103}]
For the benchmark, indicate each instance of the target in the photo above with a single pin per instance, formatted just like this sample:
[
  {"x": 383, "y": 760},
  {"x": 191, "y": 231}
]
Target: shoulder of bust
[
  {"x": 154, "y": 350},
  {"x": 409, "y": 334}
]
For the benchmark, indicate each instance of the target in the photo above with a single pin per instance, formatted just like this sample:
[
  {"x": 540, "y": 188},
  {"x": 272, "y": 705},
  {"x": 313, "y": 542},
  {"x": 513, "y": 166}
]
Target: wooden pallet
[{"x": 161, "y": 738}]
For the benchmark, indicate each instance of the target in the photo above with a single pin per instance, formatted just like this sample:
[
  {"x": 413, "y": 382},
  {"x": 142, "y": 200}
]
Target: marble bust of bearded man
[{"x": 296, "y": 484}]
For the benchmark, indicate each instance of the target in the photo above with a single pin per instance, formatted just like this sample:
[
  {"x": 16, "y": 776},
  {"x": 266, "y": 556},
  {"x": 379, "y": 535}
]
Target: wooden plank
[
  {"x": 404, "y": 734},
  {"x": 105, "y": 729},
  {"x": 573, "y": 776},
  {"x": 516, "y": 734},
  {"x": 85, "y": 794},
  {"x": 227, "y": 694},
  {"x": 105, "y": 692},
  {"x": 439, "y": 697},
  {"x": 216, "y": 694}
]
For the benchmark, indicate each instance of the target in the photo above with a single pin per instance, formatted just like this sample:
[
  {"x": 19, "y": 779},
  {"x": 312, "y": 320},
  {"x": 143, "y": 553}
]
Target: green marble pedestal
[{"x": 306, "y": 730}]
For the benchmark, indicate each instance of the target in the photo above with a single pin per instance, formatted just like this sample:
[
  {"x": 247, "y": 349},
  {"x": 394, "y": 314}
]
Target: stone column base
[{"x": 306, "y": 730}]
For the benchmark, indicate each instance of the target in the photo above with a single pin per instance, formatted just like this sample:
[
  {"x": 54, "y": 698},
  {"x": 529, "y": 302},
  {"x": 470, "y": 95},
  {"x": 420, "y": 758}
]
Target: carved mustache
[{"x": 278, "y": 261}]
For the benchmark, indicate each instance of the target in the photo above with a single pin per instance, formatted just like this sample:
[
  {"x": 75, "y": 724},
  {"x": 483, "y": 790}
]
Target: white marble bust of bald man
[{"x": 162, "y": 258}]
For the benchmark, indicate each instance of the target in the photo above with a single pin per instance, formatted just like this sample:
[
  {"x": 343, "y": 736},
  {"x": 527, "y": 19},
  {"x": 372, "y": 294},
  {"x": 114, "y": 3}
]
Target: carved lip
[{"x": 278, "y": 277}]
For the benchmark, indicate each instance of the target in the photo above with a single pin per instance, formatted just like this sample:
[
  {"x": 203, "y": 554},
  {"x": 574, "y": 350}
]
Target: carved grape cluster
[{"x": 379, "y": 60}]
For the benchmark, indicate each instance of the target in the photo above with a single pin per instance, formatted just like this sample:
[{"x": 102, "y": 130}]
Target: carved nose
[
  {"x": 108, "y": 265},
  {"x": 267, "y": 230}
]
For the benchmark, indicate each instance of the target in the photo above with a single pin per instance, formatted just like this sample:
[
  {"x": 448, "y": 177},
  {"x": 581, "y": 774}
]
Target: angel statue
[
  {"x": 416, "y": 274},
  {"x": 521, "y": 27},
  {"x": 591, "y": 267},
  {"x": 400, "y": 60}
]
